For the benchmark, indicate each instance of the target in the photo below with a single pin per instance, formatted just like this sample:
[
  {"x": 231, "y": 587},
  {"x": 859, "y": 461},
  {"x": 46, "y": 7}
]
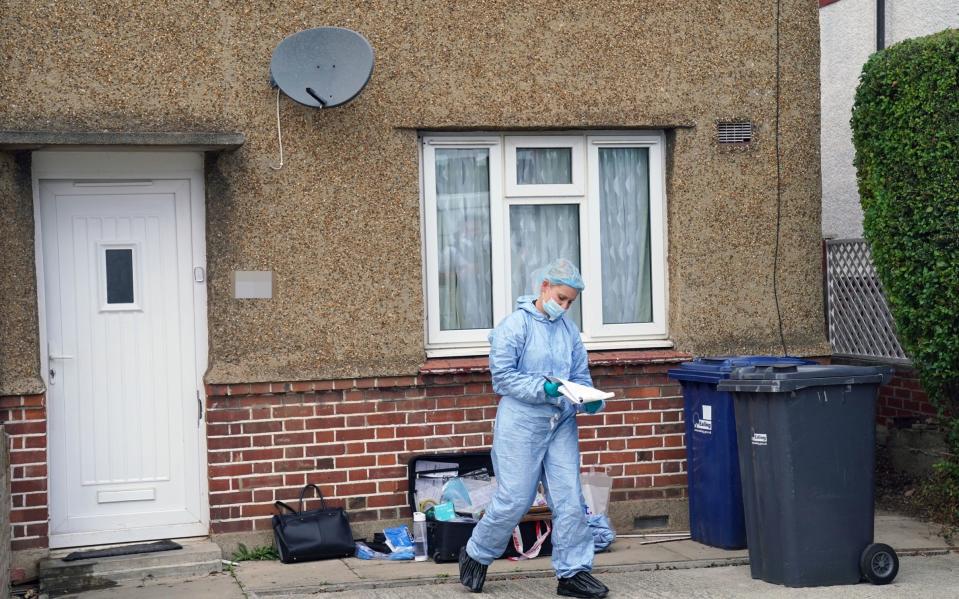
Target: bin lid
[
  {"x": 717, "y": 368},
  {"x": 785, "y": 377}
]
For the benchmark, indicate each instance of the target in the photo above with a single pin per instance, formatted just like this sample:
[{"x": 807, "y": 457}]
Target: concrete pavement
[
  {"x": 675, "y": 569},
  {"x": 931, "y": 577}
]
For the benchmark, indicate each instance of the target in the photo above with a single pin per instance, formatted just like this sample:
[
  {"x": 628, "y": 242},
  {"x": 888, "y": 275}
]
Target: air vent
[
  {"x": 650, "y": 522},
  {"x": 735, "y": 133}
]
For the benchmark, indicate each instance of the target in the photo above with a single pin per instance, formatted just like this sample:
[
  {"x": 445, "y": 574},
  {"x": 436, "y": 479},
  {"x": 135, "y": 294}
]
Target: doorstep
[
  {"x": 272, "y": 578},
  {"x": 198, "y": 557}
]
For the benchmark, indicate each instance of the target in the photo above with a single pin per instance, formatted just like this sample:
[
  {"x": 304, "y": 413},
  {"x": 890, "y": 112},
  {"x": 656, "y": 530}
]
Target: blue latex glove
[
  {"x": 591, "y": 407},
  {"x": 551, "y": 388}
]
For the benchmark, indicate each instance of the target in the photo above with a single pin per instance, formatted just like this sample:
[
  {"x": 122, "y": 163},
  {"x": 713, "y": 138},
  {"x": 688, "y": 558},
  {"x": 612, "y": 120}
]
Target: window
[
  {"x": 119, "y": 271},
  {"x": 496, "y": 207},
  {"x": 118, "y": 276}
]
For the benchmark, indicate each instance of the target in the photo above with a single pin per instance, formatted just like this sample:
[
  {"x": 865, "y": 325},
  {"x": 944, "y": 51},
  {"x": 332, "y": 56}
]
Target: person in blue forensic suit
[{"x": 535, "y": 437}]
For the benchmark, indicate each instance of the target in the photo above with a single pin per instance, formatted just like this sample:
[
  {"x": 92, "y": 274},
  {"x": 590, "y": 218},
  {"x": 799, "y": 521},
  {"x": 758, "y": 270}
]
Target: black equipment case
[{"x": 444, "y": 539}]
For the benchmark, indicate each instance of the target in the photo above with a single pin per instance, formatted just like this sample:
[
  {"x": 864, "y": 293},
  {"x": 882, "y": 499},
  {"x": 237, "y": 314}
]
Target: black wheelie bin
[{"x": 806, "y": 437}]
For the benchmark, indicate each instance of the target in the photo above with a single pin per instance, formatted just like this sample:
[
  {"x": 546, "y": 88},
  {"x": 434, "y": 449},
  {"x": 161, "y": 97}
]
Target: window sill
[
  {"x": 472, "y": 351},
  {"x": 596, "y": 358}
]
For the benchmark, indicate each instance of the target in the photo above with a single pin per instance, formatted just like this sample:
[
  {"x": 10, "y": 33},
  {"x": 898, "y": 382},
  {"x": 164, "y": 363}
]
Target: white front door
[{"x": 125, "y": 418}]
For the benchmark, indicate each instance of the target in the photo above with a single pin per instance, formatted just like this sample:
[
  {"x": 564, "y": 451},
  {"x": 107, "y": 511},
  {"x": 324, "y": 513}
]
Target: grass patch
[{"x": 261, "y": 553}]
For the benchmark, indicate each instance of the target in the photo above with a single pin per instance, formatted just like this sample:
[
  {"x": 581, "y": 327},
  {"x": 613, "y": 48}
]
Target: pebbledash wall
[{"x": 329, "y": 381}]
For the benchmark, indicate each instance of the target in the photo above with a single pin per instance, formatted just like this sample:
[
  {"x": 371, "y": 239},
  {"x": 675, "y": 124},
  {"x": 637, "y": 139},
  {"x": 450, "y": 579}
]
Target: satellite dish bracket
[{"x": 316, "y": 97}]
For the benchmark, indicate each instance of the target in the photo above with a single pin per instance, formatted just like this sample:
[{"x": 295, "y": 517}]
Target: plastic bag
[
  {"x": 398, "y": 538},
  {"x": 363, "y": 551},
  {"x": 540, "y": 499},
  {"x": 470, "y": 494},
  {"x": 481, "y": 493},
  {"x": 596, "y": 486},
  {"x": 430, "y": 479},
  {"x": 456, "y": 492}
]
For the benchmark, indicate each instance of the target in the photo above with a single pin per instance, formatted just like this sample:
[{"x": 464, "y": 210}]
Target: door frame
[{"x": 111, "y": 164}]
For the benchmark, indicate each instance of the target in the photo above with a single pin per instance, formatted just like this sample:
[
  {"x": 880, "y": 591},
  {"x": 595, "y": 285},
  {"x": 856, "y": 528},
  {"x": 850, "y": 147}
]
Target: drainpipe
[{"x": 880, "y": 24}]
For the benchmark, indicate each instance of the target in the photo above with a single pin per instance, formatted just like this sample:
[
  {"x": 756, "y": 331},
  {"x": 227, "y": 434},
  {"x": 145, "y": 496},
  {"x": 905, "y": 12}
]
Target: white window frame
[
  {"x": 502, "y": 147},
  {"x": 593, "y": 302},
  {"x": 576, "y": 187},
  {"x": 472, "y": 337}
]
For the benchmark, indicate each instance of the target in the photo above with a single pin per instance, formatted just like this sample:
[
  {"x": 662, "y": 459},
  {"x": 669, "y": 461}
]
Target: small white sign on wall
[{"x": 253, "y": 284}]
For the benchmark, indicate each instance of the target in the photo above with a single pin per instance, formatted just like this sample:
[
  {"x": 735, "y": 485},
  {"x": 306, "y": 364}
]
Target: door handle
[{"x": 52, "y": 371}]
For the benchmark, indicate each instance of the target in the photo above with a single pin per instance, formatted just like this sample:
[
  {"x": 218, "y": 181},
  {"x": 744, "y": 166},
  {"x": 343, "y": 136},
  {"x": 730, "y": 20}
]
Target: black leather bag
[{"x": 303, "y": 536}]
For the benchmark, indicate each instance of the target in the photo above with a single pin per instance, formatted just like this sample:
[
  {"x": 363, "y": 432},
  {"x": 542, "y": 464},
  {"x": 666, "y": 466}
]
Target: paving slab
[
  {"x": 631, "y": 565},
  {"x": 267, "y": 576},
  {"x": 212, "y": 586},
  {"x": 691, "y": 550},
  {"x": 906, "y": 534},
  {"x": 631, "y": 551},
  {"x": 928, "y": 577}
]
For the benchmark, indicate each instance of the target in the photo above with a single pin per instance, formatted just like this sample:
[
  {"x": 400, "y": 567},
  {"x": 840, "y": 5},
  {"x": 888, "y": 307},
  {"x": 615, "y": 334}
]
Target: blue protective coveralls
[{"x": 535, "y": 437}]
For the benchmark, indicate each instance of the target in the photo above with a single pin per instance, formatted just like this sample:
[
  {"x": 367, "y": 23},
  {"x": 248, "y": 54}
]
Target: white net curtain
[
  {"x": 463, "y": 232},
  {"x": 540, "y": 233},
  {"x": 624, "y": 235}
]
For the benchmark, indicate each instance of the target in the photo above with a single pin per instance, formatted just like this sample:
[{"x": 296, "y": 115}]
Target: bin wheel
[{"x": 879, "y": 563}]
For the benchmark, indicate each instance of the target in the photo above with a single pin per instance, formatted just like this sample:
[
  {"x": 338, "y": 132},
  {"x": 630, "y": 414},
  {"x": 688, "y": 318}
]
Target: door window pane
[
  {"x": 540, "y": 234},
  {"x": 544, "y": 166},
  {"x": 463, "y": 235},
  {"x": 624, "y": 235},
  {"x": 119, "y": 271}
]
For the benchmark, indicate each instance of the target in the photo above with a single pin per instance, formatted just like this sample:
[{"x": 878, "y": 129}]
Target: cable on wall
[
  {"x": 779, "y": 187},
  {"x": 279, "y": 133}
]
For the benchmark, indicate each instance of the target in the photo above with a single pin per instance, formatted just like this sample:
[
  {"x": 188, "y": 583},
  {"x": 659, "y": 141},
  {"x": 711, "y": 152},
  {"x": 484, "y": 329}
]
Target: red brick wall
[
  {"x": 24, "y": 420},
  {"x": 354, "y": 437},
  {"x": 903, "y": 401}
]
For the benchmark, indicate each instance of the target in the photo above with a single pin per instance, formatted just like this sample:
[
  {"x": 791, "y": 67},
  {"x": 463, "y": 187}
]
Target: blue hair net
[{"x": 558, "y": 272}]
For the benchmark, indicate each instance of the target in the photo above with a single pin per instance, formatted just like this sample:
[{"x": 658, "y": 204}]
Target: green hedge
[{"x": 906, "y": 132}]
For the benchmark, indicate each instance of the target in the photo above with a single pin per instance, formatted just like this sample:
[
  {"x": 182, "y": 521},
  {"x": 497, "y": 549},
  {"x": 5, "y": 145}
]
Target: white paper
[{"x": 577, "y": 393}]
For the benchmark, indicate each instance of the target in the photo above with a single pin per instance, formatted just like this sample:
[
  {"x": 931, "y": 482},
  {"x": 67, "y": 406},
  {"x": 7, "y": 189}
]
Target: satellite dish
[{"x": 322, "y": 67}]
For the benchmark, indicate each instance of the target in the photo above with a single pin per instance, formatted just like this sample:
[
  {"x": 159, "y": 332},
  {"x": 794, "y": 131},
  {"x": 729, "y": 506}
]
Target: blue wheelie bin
[{"x": 712, "y": 460}]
